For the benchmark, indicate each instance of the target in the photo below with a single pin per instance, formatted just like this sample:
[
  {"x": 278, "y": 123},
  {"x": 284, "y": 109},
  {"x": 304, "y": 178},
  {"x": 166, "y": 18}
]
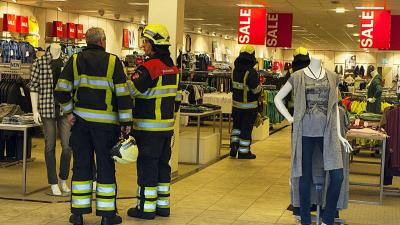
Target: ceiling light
[
  {"x": 340, "y": 10},
  {"x": 59, "y": 9},
  {"x": 214, "y": 34},
  {"x": 350, "y": 25},
  {"x": 250, "y": 5},
  {"x": 211, "y": 24},
  {"x": 356, "y": 34},
  {"x": 295, "y": 26},
  {"x": 369, "y": 7},
  {"x": 15, "y": 1},
  {"x": 194, "y": 19},
  {"x": 299, "y": 31},
  {"x": 138, "y": 3},
  {"x": 54, "y": 0}
]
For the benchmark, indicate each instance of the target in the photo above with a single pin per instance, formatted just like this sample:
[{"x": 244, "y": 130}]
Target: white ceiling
[{"x": 320, "y": 27}]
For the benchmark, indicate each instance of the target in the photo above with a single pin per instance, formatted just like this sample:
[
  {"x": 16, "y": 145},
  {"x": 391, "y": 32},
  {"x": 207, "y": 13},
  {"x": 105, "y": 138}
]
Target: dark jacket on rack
[
  {"x": 157, "y": 94},
  {"x": 375, "y": 91},
  {"x": 98, "y": 84},
  {"x": 245, "y": 83}
]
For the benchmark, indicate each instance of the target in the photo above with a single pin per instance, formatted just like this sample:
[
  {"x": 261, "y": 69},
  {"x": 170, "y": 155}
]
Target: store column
[{"x": 171, "y": 14}]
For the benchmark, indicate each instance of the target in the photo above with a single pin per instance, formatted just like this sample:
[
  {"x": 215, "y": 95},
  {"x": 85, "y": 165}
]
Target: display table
[
  {"x": 213, "y": 113},
  {"x": 371, "y": 135},
  {"x": 24, "y": 129},
  {"x": 221, "y": 99}
]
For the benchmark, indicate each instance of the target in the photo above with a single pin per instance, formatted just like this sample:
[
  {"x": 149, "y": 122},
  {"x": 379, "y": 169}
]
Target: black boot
[
  {"x": 135, "y": 212},
  {"x": 234, "y": 150},
  {"x": 111, "y": 220},
  {"x": 76, "y": 219},
  {"x": 248, "y": 155},
  {"x": 163, "y": 212}
]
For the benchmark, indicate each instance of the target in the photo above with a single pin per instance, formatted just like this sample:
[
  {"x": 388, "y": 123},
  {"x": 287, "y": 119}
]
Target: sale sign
[
  {"x": 375, "y": 29},
  {"x": 9, "y": 22},
  {"x": 71, "y": 30},
  {"x": 79, "y": 31},
  {"x": 279, "y": 30},
  {"x": 22, "y": 24},
  {"x": 58, "y": 29},
  {"x": 252, "y": 26}
]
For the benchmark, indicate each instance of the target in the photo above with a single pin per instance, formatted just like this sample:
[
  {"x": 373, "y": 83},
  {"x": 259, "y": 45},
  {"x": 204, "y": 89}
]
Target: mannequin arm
[
  {"x": 35, "y": 111},
  {"x": 285, "y": 90}
]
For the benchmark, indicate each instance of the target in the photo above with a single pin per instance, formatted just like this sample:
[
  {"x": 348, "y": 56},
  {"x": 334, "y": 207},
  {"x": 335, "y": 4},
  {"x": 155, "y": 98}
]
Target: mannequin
[
  {"x": 374, "y": 93},
  {"x": 314, "y": 85},
  {"x": 47, "y": 112}
]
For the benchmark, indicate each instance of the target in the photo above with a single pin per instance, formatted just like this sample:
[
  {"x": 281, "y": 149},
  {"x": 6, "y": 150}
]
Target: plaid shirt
[{"x": 42, "y": 83}]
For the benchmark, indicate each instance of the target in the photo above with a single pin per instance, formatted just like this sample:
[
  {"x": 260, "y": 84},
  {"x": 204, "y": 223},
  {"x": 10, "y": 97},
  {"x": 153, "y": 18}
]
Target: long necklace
[{"x": 320, "y": 72}]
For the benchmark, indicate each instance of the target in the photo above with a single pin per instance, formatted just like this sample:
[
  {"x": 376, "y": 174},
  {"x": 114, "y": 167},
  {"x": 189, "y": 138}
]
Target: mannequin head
[
  {"x": 96, "y": 36},
  {"x": 55, "y": 50}
]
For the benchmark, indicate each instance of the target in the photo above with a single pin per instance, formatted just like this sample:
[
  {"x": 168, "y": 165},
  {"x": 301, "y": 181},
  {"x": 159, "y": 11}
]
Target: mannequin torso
[{"x": 315, "y": 69}]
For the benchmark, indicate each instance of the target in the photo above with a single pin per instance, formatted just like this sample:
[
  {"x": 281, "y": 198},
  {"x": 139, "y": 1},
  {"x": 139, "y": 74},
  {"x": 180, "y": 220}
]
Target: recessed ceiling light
[
  {"x": 194, "y": 19},
  {"x": 212, "y": 24},
  {"x": 356, "y": 34},
  {"x": 59, "y": 9},
  {"x": 295, "y": 26},
  {"x": 340, "y": 10},
  {"x": 350, "y": 25},
  {"x": 299, "y": 31},
  {"x": 369, "y": 7},
  {"x": 250, "y": 5},
  {"x": 15, "y": 1},
  {"x": 138, "y": 3}
]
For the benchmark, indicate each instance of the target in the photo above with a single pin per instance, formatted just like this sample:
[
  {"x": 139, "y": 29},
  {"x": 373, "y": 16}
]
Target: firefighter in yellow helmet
[
  {"x": 157, "y": 96},
  {"x": 246, "y": 91}
]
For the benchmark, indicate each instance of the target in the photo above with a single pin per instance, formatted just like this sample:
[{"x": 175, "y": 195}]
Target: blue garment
[
  {"x": 15, "y": 53},
  {"x": 27, "y": 51},
  {"x": 336, "y": 179},
  {"x": 5, "y": 54}
]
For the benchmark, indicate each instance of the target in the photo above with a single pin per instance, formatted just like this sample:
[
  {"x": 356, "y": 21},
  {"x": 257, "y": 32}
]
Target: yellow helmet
[
  {"x": 158, "y": 33},
  {"x": 248, "y": 49},
  {"x": 125, "y": 151},
  {"x": 300, "y": 51}
]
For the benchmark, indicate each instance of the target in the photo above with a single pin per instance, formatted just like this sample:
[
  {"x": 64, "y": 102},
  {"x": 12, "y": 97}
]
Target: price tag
[
  {"x": 15, "y": 64},
  {"x": 12, "y": 52},
  {"x": 22, "y": 92},
  {"x": 27, "y": 54}
]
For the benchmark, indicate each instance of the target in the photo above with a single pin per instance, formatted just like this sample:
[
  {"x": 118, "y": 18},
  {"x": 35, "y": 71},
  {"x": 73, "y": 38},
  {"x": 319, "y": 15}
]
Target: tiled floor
[{"x": 229, "y": 192}]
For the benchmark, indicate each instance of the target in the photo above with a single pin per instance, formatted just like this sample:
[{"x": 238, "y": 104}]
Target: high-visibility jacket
[
  {"x": 93, "y": 86},
  {"x": 246, "y": 88},
  {"x": 157, "y": 96}
]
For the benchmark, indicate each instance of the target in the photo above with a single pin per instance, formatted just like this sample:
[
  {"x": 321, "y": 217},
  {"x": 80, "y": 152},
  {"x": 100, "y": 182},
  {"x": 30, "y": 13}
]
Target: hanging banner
[
  {"x": 9, "y": 23},
  {"x": 58, "y": 29},
  {"x": 125, "y": 42},
  {"x": 71, "y": 30},
  {"x": 129, "y": 39},
  {"x": 375, "y": 29},
  {"x": 79, "y": 31},
  {"x": 279, "y": 30},
  {"x": 22, "y": 24},
  {"x": 252, "y": 26},
  {"x": 394, "y": 35}
]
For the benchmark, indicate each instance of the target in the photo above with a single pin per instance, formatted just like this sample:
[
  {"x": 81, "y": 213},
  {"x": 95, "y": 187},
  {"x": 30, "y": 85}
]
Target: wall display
[
  {"x": 58, "y": 29},
  {"x": 9, "y": 23},
  {"x": 279, "y": 30},
  {"x": 375, "y": 29},
  {"x": 252, "y": 26},
  {"x": 22, "y": 24}
]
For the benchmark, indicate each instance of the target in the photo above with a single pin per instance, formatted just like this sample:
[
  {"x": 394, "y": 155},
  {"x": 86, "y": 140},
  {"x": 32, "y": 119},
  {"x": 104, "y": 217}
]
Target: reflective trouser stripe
[
  {"x": 81, "y": 187},
  {"x": 67, "y": 107},
  {"x": 80, "y": 202},
  {"x": 244, "y": 149},
  {"x": 105, "y": 204},
  {"x": 163, "y": 202},
  {"x": 244, "y": 143},
  {"x": 105, "y": 189},
  {"x": 235, "y": 132},
  {"x": 234, "y": 139},
  {"x": 149, "y": 206},
  {"x": 257, "y": 90},
  {"x": 150, "y": 192},
  {"x": 240, "y": 105},
  {"x": 163, "y": 188}
]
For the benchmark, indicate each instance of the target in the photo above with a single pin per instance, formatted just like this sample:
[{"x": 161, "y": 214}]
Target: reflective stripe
[
  {"x": 105, "y": 190},
  {"x": 81, "y": 187},
  {"x": 251, "y": 105},
  {"x": 153, "y": 124},
  {"x": 75, "y": 67},
  {"x": 178, "y": 97},
  {"x": 237, "y": 85},
  {"x": 162, "y": 202},
  {"x": 244, "y": 142},
  {"x": 121, "y": 90},
  {"x": 85, "y": 201},
  {"x": 68, "y": 107},
  {"x": 245, "y": 88},
  {"x": 93, "y": 115},
  {"x": 257, "y": 89},
  {"x": 163, "y": 188},
  {"x": 92, "y": 81},
  {"x": 149, "y": 206},
  {"x": 111, "y": 66},
  {"x": 64, "y": 85},
  {"x": 132, "y": 89},
  {"x": 234, "y": 139},
  {"x": 125, "y": 116},
  {"x": 244, "y": 149},
  {"x": 101, "y": 203},
  {"x": 150, "y": 193},
  {"x": 235, "y": 132},
  {"x": 155, "y": 92}
]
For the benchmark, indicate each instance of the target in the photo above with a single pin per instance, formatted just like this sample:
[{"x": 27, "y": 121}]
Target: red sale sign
[
  {"x": 58, "y": 29},
  {"x": 22, "y": 24},
  {"x": 375, "y": 29},
  {"x": 9, "y": 23},
  {"x": 71, "y": 30},
  {"x": 252, "y": 26},
  {"x": 79, "y": 31},
  {"x": 279, "y": 30}
]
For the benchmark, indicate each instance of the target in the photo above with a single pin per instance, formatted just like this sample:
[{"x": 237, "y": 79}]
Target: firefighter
[
  {"x": 246, "y": 92},
  {"x": 157, "y": 96},
  {"x": 94, "y": 92}
]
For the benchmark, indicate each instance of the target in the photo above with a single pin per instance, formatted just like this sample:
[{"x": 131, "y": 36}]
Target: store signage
[
  {"x": 58, "y": 29},
  {"x": 129, "y": 40},
  {"x": 375, "y": 29},
  {"x": 15, "y": 65},
  {"x": 252, "y": 26},
  {"x": 9, "y": 23},
  {"x": 394, "y": 36},
  {"x": 279, "y": 30},
  {"x": 71, "y": 30},
  {"x": 79, "y": 31},
  {"x": 22, "y": 24}
]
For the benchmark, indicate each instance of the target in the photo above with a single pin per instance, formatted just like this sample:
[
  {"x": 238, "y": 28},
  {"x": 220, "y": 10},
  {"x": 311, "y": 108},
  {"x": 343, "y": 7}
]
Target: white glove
[
  {"x": 37, "y": 118},
  {"x": 346, "y": 145},
  {"x": 371, "y": 100}
]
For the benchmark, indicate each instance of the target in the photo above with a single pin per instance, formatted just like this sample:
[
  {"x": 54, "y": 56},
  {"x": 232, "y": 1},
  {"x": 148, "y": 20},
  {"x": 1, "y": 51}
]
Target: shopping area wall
[
  {"x": 202, "y": 43},
  {"x": 113, "y": 28},
  {"x": 389, "y": 61}
]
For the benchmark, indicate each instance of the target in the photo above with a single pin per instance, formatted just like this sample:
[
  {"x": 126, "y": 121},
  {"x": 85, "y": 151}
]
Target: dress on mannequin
[
  {"x": 45, "y": 72},
  {"x": 315, "y": 101},
  {"x": 374, "y": 93}
]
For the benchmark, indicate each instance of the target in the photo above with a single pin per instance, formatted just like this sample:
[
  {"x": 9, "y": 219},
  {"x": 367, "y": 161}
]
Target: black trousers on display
[
  {"x": 86, "y": 140},
  {"x": 243, "y": 122}
]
